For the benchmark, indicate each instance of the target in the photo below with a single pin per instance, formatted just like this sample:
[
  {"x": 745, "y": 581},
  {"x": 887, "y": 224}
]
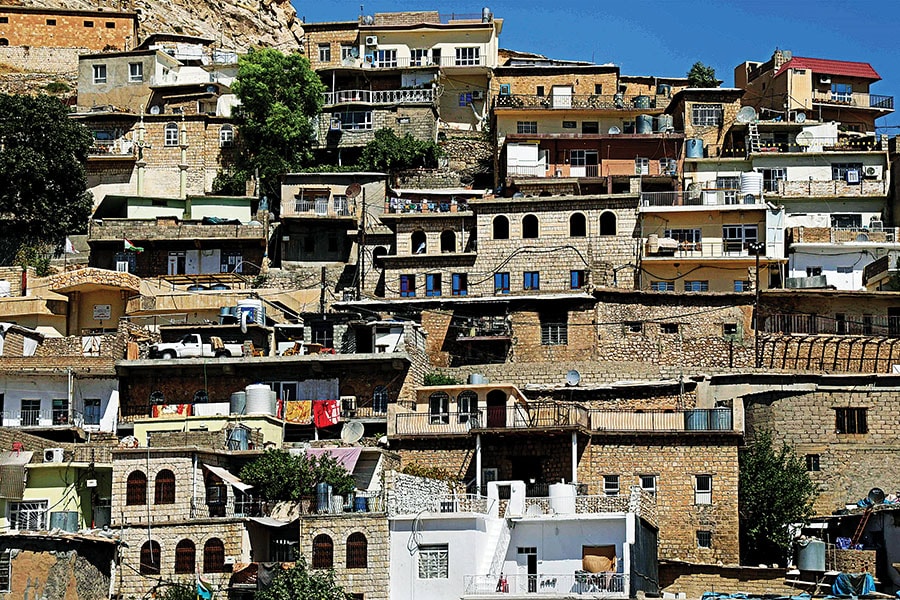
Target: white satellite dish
[
  {"x": 154, "y": 110},
  {"x": 573, "y": 378},
  {"x": 800, "y": 117},
  {"x": 614, "y": 130},
  {"x": 804, "y": 138},
  {"x": 352, "y": 432},
  {"x": 746, "y": 115}
]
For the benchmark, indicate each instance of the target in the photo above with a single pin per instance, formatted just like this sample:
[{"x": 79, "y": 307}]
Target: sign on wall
[{"x": 102, "y": 312}]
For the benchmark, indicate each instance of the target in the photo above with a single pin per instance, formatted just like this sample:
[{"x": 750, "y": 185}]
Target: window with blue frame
[
  {"x": 465, "y": 99},
  {"x": 662, "y": 286},
  {"x": 501, "y": 283},
  {"x": 577, "y": 279},
  {"x": 532, "y": 280},
  {"x": 433, "y": 284},
  {"x": 407, "y": 285},
  {"x": 742, "y": 285},
  {"x": 460, "y": 284},
  {"x": 696, "y": 286},
  {"x": 92, "y": 411}
]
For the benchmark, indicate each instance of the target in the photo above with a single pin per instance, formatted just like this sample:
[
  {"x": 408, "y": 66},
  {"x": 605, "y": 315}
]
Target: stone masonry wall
[
  {"x": 694, "y": 580},
  {"x": 52, "y": 28},
  {"x": 62, "y": 61},
  {"x": 58, "y": 569}
]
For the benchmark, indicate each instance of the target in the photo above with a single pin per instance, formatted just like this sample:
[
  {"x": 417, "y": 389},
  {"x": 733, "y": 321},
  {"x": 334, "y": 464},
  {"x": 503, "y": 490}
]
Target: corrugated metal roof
[{"x": 831, "y": 67}]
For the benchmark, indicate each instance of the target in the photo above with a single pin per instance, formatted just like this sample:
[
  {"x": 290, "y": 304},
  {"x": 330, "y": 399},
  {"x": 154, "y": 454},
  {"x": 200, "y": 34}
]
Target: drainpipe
[
  {"x": 182, "y": 166},
  {"x": 478, "y": 463},
  {"x": 69, "y": 391}
]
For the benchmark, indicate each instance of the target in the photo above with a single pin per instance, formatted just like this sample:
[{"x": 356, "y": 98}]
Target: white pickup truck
[{"x": 192, "y": 345}]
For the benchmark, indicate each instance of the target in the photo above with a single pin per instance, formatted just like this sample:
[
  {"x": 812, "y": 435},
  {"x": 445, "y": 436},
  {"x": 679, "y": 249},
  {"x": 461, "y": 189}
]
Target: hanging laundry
[
  {"x": 299, "y": 412},
  {"x": 326, "y": 413}
]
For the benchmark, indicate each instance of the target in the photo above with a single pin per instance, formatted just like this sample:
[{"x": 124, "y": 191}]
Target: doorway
[{"x": 496, "y": 408}]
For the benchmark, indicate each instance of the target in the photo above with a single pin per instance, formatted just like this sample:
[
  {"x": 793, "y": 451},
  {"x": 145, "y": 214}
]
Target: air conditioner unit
[
  {"x": 824, "y": 79},
  {"x": 229, "y": 560},
  {"x": 852, "y": 176},
  {"x": 477, "y": 95},
  {"x": 872, "y": 171},
  {"x": 371, "y": 40},
  {"x": 53, "y": 455}
]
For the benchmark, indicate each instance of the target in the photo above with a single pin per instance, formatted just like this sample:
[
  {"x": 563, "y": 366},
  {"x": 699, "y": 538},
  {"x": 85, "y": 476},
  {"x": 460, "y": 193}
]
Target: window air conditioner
[
  {"x": 371, "y": 40},
  {"x": 871, "y": 171},
  {"x": 477, "y": 95},
  {"x": 53, "y": 455}
]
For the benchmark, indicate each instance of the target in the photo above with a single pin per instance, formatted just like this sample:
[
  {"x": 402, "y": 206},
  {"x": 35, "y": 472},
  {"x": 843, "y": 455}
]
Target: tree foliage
[
  {"x": 279, "y": 95},
  {"x": 390, "y": 153},
  {"x": 702, "y": 76},
  {"x": 301, "y": 582},
  {"x": 43, "y": 190},
  {"x": 279, "y": 475},
  {"x": 774, "y": 490},
  {"x": 178, "y": 591}
]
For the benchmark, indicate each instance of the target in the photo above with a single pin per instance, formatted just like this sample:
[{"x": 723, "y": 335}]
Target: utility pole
[
  {"x": 756, "y": 248},
  {"x": 361, "y": 279}
]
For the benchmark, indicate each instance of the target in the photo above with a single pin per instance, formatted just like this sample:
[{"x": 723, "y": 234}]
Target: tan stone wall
[
  {"x": 58, "y": 569},
  {"x": 63, "y": 61},
  {"x": 64, "y": 29},
  {"x": 334, "y": 38},
  {"x": 694, "y": 580},
  {"x": 713, "y": 136},
  {"x": 582, "y": 84}
]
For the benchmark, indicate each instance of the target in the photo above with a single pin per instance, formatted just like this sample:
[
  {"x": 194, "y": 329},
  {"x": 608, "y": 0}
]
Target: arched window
[
  {"x": 171, "y": 134},
  {"x": 501, "y": 228},
  {"x": 439, "y": 408},
  {"x": 608, "y": 223},
  {"x": 448, "y": 241},
  {"x": 185, "y": 557},
  {"x": 165, "y": 487},
  {"x": 357, "y": 551},
  {"x": 322, "y": 552},
  {"x": 467, "y": 406},
  {"x": 530, "y": 229},
  {"x": 150, "y": 558},
  {"x": 4, "y": 42},
  {"x": 214, "y": 556},
  {"x": 226, "y": 136},
  {"x": 577, "y": 225},
  {"x": 418, "y": 242},
  {"x": 136, "y": 489},
  {"x": 377, "y": 255},
  {"x": 380, "y": 399}
]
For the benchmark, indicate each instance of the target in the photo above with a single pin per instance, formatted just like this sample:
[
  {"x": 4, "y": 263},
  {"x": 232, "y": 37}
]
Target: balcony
[
  {"x": 543, "y": 585},
  {"x": 707, "y": 197},
  {"x": 663, "y": 421},
  {"x": 843, "y": 235},
  {"x": 112, "y": 148},
  {"x": 403, "y": 62},
  {"x": 386, "y": 97},
  {"x": 829, "y": 188},
  {"x": 534, "y": 416},
  {"x": 483, "y": 328},
  {"x": 319, "y": 207},
  {"x": 216, "y": 507},
  {"x": 855, "y": 99},
  {"x": 401, "y": 206},
  {"x": 847, "y": 324},
  {"x": 614, "y": 102},
  {"x": 42, "y": 418},
  {"x": 447, "y": 504},
  {"x": 733, "y": 249},
  {"x": 141, "y": 230}
]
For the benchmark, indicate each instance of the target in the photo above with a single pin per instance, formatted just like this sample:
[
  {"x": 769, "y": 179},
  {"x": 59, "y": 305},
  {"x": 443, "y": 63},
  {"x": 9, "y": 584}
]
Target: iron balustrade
[
  {"x": 698, "y": 419},
  {"x": 579, "y": 583},
  {"x": 708, "y": 197},
  {"x": 845, "y": 324},
  {"x": 581, "y": 101},
  {"x": 533, "y": 416},
  {"x": 860, "y": 99},
  {"x": 388, "y": 97}
]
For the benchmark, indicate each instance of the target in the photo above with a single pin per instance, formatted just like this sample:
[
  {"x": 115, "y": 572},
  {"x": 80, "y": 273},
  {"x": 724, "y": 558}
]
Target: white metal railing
[
  {"x": 532, "y": 170},
  {"x": 579, "y": 583},
  {"x": 723, "y": 249},
  {"x": 411, "y": 96},
  {"x": 855, "y": 99},
  {"x": 708, "y": 197},
  {"x": 450, "y": 504}
]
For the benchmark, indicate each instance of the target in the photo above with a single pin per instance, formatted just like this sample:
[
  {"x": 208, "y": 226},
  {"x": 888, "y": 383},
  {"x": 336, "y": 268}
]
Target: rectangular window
[
  {"x": 839, "y": 171},
  {"x": 771, "y": 177},
  {"x": 648, "y": 484},
  {"x": 742, "y": 285},
  {"x": 433, "y": 284},
  {"x": 439, "y": 409},
  {"x": 135, "y": 72},
  {"x": 353, "y": 120},
  {"x": 841, "y": 92},
  {"x": 171, "y": 135},
  {"x": 633, "y": 326},
  {"x": 60, "y": 412},
  {"x": 110, "y": 25},
  {"x": 662, "y": 286},
  {"x": 407, "y": 286},
  {"x": 468, "y": 57},
  {"x": 460, "y": 284},
  {"x": 385, "y": 58},
  {"x": 729, "y": 329},
  {"x": 845, "y": 270},
  {"x": 850, "y": 420},
  {"x": 577, "y": 279},
  {"x": 703, "y": 489},
  {"x": 418, "y": 57},
  {"x": 813, "y": 271},
  {"x": 812, "y": 462},
  {"x": 611, "y": 485},
  {"x": 569, "y": 124},
  {"x": 590, "y": 127},
  {"x": 99, "y": 74},
  {"x": 346, "y": 51},
  {"x": 704, "y": 539},
  {"x": 51, "y": 22},
  {"x": 598, "y": 88},
  {"x": 92, "y": 411},
  {"x": 325, "y": 53},
  {"x": 539, "y": 90},
  {"x": 5, "y": 570},
  {"x": 729, "y": 187},
  {"x": 322, "y": 333},
  {"x": 696, "y": 286},
  {"x": 4, "y": 19},
  {"x": 737, "y": 238},
  {"x": 28, "y": 516},
  {"x": 555, "y": 329},
  {"x": 668, "y": 328},
  {"x": 501, "y": 283},
  {"x": 706, "y": 115},
  {"x": 465, "y": 99},
  {"x": 526, "y": 127},
  {"x": 30, "y": 413},
  {"x": 88, "y": 23},
  {"x": 434, "y": 562},
  {"x": 684, "y": 236},
  {"x": 532, "y": 280}
]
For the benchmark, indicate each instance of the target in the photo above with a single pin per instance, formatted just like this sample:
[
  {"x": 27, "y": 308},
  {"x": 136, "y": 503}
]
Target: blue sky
[{"x": 665, "y": 38}]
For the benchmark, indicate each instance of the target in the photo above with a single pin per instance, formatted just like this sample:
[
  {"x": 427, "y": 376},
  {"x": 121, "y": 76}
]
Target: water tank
[
  {"x": 664, "y": 123},
  {"x": 337, "y": 504},
  {"x": 67, "y": 520},
  {"x": 694, "y": 147},
  {"x": 255, "y": 307},
  {"x": 485, "y": 15},
  {"x": 663, "y": 89},
  {"x": 751, "y": 183},
  {"x": 323, "y": 497},
  {"x": 643, "y": 124},
  {"x": 696, "y": 420},
  {"x": 642, "y": 101},
  {"x": 238, "y": 439},
  {"x": 238, "y": 403},
  {"x": 475, "y": 379},
  {"x": 811, "y": 555},
  {"x": 720, "y": 419},
  {"x": 562, "y": 498},
  {"x": 361, "y": 504},
  {"x": 259, "y": 399}
]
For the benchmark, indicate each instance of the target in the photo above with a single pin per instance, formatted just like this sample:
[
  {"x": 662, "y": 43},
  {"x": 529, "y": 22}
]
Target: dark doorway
[{"x": 496, "y": 408}]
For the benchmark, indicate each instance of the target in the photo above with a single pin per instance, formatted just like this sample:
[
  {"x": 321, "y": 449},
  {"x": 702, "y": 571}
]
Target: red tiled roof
[{"x": 831, "y": 67}]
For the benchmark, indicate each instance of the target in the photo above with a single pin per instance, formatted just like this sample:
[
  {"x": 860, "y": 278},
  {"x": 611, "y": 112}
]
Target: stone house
[{"x": 97, "y": 30}]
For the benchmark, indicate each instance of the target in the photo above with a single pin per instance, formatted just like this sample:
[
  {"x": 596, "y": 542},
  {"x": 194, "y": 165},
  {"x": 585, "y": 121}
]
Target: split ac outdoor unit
[
  {"x": 371, "y": 40},
  {"x": 478, "y": 95},
  {"x": 824, "y": 79},
  {"x": 53, "y": 455},
  {"x": 871, "y": 171}
]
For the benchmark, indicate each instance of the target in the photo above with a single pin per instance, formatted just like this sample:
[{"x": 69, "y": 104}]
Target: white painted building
[{"x": 60, "y": 398}]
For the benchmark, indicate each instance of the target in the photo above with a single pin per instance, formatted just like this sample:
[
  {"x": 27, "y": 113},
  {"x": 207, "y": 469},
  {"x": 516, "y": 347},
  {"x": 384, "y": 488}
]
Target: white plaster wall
[{"x": 830, "y": 259}]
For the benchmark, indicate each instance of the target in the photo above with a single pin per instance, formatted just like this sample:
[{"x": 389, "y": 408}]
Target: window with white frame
[
  {"x": 611, "y": 485},
  {"x": 648, "y": 484},
  {"x": 839, "y": 170},
  {"x": 385, "y": 58},
  {"x": 526, "y": 127},
  {"x": 171, "y": 133},
  {"x": 418, "y": 57},
  {"x": 706, "y": 114},
  {"x": 346, "y": 51},
  {"x": 662, "y": 286},
  {"x": 434, "y": 561},
  {"x": 135, "y": 72},
  {"x": 737, "y": 238},
  {"x": 99, "y": 74},
  {"x": 468, "y": 57},
  {"x": 28, "y": 516},
  {"x": 555, "y": 329},
  {"x": 703, "y": 489},
  {"x": 356, "y": 120},
  {"x": 771, "y": 177},
  {"x": 226, "y": 136},
  {"x": 324, "y": 52},
  {"x": 684, "y": 236},
  {"x": 729, "y": 187}
]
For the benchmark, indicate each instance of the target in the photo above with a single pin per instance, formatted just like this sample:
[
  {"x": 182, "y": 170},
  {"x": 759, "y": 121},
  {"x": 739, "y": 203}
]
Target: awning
[
  {"x": 270, "y": 522},
  {"x": 12, "y": 474},
  {"x": 347, "y": 457},
  {"x": 227, "y": 477}
]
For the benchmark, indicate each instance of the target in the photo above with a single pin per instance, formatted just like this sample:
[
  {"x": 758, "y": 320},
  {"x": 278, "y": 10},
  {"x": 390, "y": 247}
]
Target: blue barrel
[
  {"x": 238, "y": 439},
  {"x": 664, "y": 123},
  {"x": 323, "y": 497},
  {"x": 720, "y": 419},
  {"x": 361, "y": 504},
  {"x": 642, "y": 101},
  {"x": 694, "y": 147},
  {"x": 696, "y": 420},
  {"x": 643, "y": 124},
  {"x": 664, "y": 89}
]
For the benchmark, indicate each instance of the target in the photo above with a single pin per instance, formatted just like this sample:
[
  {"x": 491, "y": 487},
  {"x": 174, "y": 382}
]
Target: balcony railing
[
  {"x": 712, "y": 197},
  {"x": 593, "y": 101},
  {"x": 319, "y": 207},
  {"x": 389, "y": 97},
  {"x": 403, "y": 206},
  {"x": 534, "y": 416},
  {"x": 700, "y": 419},
  {"x": 828, "y": 188},
  {"x": 406, "y": 61},
  {"x": 846, "y": 324},
  {"x": 42, "y": 418},
  {"x": 528, "y": 170},
  {"x": 723, "y": 249},
  {"x": 119, "y": 147},
  {"x": 580, "y": 583},
  {"x": 242, "y": 506},
  {"x": 857, "y": 99},
  {"x": 450, "y": 504}
]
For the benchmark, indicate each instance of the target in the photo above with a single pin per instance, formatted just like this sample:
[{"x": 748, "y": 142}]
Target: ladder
[
  {"x": 753, "y": 137},
  {"x": 862, "y": 526}
]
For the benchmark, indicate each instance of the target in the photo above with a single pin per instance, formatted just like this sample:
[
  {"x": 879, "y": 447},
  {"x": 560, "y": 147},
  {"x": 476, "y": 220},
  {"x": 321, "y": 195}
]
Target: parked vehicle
[{"x": 192, "y": 345}]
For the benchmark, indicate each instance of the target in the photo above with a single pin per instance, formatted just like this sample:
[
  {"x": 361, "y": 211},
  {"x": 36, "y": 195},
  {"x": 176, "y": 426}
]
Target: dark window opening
[
  {"x": 136, "y": 489},
  {"x": 812, "y": 462},
  {"x": 501, "y": 228},
  {"x": 150, "y": 558},
  {"x": 322, "y": 552},
  {"x": 165, "y": 487},
  {"x": 185, "y": 557},
  {"x": 608, "y": 223},
  {"x": 530, "y": 227},
  {"x": 357, "y": 551},
  {"x": 851, "y": 420},
  {"x": 577, "y": 225}
]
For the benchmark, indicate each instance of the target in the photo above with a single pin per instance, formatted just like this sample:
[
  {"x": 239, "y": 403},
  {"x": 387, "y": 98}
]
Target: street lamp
[{"x": 756, "y": 248}]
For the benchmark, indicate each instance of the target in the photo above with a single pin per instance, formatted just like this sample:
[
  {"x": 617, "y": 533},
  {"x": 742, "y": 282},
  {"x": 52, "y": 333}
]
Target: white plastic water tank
[
  {"x": 562, "y": 498},
  {"x": 259, "y": 399},
  {"x": 751, "y": 183}
]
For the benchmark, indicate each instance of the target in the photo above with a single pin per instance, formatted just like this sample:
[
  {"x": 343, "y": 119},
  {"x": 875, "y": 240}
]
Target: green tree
[
  {"x": 301, "y": 582},
  {"x": 279, "y": 95},
  {"x": 42, "y": 174},
  {"x": 390, "y": 153},
  {"x": 178, "y": 591},
  {"x": 774, "y": 490},
  {"x": 279, "y": 475},
  {"x": 702, "y": 76}
]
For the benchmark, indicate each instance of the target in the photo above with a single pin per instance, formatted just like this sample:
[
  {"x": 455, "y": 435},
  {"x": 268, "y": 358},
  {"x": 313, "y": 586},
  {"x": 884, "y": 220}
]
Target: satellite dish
[
  {"x": 354, "y": 52},
  {"x": 614, "y": 130},
  {"x": 154, "y": 110},
  {"x": 352, "y": 432},
  {"x": 800, "y": 117},
  {"x": 746, "y": 115},
  {"x": 573, "y": 378},
  {"x": 368, "y": 20},
  {"x": 353, "y": 190},
  {"x": 804, "y": 138}
]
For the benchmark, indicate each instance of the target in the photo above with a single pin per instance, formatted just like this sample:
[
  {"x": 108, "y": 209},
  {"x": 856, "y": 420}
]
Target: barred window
[
  {"x": 165, "y": 487},
  {"x": 610, "y": 485},
  {"x": 28, "y": 516},
  {"x": 185, "y": 557},
  {"x": 434, "y": 561},
  {"x": 136, "y": 489},
  {"x": 214, "y": 556},
  {"x": 706, "y": 114},
  {"x": 555, "y": 329},
  {"x": 851, "y": 420},
  {"x": 150, "y": 558},
  {"x": 5, "y": 570},
  {"x": 322, "y": 552},
  {"x": 704, "y": 539},
  {"x": 357, "y": 551},
  {"x": 526, "y": 127}
]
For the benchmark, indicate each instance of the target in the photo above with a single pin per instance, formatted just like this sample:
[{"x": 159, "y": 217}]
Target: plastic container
[
  {"x": 664, "y": 123},
  {"x": 238, "y": 403},
  {"x": 361, "y": 504},
  {"x": 323, "y": 497},
  {"x": 475, "y": 379},
  {"x": 811, "y": 555},
  {"x": 696, "y": 420},
  {"x": 255, "y": 308},
  {"x": 337, "y": 504},
  {"x": 562, "y": 498},
  {"x": 751, "y": 183},
  {"x": 259, "y": 399},
  {"x": 643, "y": 124},
  {"x": 694, "y": 147},
  {"x": 238, "y": 439}
]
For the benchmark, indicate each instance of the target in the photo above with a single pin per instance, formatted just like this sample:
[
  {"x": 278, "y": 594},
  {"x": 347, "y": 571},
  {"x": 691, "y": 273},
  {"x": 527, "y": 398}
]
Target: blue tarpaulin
[{"x": 853, "y": 584}]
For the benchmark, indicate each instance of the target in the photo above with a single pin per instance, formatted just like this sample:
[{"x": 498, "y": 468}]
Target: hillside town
[{"x": 537, "y": 368}]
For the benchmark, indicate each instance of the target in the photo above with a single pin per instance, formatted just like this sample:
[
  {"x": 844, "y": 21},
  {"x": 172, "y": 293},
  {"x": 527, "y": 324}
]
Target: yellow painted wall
[{"x": 270, "y": 428}]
